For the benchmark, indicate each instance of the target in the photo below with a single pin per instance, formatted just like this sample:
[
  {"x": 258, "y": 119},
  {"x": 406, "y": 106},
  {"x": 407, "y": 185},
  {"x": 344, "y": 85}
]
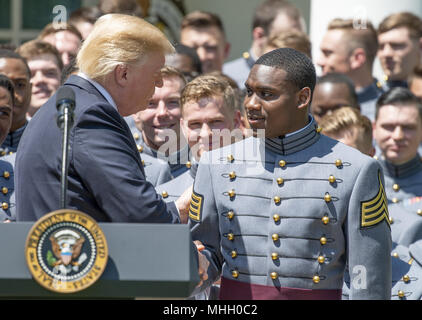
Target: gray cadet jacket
[{"x": 280, "y": 218}]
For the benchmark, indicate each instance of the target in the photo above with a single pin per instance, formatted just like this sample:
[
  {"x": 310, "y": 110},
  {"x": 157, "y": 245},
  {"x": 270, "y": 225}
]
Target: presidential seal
[{"x": 66, "y": 251}]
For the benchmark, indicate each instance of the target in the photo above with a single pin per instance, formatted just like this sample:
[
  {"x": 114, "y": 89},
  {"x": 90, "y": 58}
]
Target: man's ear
[
  {"x": 303, "y": 98},
  {"x": 121, "y": 75},
  {"x": 357, "y": 59}
]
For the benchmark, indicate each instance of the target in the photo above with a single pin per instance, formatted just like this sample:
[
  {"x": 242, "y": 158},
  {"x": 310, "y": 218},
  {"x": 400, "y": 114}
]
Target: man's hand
[
  {"x": 183, "y": 204},
  {"x": 203, "y": 263}
]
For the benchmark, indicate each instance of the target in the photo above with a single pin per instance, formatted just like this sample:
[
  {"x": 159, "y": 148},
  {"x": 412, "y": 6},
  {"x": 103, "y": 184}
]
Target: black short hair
[
  {"x": 299, "y": 68},
  {"x": 191, "y": 53},
  {"x": 398, "y": 96},
  {"x": 9, "y": 54},
  {"x": 7, "y": 83},
  {"x": 341, "y": 78}
]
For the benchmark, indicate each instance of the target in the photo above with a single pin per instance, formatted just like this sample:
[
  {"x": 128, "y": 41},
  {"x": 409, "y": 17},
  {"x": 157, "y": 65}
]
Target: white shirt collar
[{"x": 100, "y": 88}]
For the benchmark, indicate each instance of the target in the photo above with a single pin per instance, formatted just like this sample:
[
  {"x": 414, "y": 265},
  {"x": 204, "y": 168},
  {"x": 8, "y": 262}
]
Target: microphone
[{"x": 65, "y": 104}]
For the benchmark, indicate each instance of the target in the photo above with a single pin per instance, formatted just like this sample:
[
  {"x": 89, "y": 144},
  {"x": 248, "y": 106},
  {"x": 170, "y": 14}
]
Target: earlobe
[{"x": 304, "y": 98}]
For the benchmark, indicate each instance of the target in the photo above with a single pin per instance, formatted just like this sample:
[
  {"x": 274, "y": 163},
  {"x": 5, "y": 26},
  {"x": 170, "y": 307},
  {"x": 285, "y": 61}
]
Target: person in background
[
  {"x": 398, "y": 133},
  {"x": 186, "y": 60},
  {"x": 350, "y": 127},
  {"x": 400, "y": 45},
  {"x": 66, "y": 39},
  {"x": 415, "y": 81},
  {"x": 204, "y": 31},
  {"x": 84, "y": 19},
  {"x": 7, "y": 196},
  {"x": 333, "y": 91},
  {"x": 157, "y": 132},
  {"x": 290, "y": 39},
  {"x": 271, "y": 17},
  {"x": 15, "y": 67},
  {"x": 352, "y": 51},
  {"x": 46, "y": 66}
]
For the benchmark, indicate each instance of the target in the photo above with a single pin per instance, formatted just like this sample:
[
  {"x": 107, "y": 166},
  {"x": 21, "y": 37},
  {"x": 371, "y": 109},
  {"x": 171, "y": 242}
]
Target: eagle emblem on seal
[{"x": 66, "y": 246}]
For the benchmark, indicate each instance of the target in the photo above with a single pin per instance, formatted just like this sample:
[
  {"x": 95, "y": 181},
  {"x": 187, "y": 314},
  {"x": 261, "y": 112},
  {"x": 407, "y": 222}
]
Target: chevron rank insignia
[
  {"x": 375, "y": 210},
  {"x": 195, "y": 209}
]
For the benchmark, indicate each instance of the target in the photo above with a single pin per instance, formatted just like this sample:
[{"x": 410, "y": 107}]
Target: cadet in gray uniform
[
  {"x": 157, "y": 128},
  {"x": 398, "y": 133},
  {"x": 157, "y": 171},
  {"x": 281, "y": 216},
  {"x": 207, "y": 106},
  {"x": 7, "y": 185}
]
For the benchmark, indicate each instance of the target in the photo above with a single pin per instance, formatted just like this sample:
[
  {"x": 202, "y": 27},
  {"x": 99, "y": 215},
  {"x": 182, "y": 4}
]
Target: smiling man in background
[{"x": 46, "y": 69}]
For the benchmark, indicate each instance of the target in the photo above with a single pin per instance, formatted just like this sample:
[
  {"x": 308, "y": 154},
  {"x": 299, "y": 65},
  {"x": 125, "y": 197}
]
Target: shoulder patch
[
  {"x": 195, "y": 209},
  {"x": 375, "y": 210}
]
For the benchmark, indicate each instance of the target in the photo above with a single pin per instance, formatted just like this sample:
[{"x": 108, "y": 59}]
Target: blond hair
[
  {"x": 207, "y": 86},
  {"x": 402, "y": 19},
  {"x": 345, "y": 119},
  {"x": 119, "y": 39},
  {"x": 364, "y": 37},
  {"x": 291, "y": 39}
]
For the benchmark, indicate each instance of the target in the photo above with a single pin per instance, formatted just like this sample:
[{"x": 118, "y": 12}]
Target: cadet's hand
[
  {"x": 203, "y": 264},
  {"x": 183, "y": 204}
]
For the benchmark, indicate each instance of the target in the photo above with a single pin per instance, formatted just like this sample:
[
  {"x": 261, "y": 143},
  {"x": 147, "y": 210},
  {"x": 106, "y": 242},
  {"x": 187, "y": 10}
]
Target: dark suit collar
[{"x": 84, "y": 84}]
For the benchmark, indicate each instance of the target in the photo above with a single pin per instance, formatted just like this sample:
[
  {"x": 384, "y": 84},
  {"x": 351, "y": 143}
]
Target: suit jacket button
[
  {"x": 323, "y": 240},
  {"x": 277, "y": 199},
  {"x": 232, "y": 175},
  {"x": 282, "y": 163},
  {"x": 230, "y": 236},
  {"x": 327, "y": 197},
  {"x": 396, "y": 187},
  {"x": 280, "y": 181},
  {"x": 338, "y": 163},
  {"x": 419, "y": 212},
  {"x": 325, "y": 220},
  {"x": 230, "y": 215},
  {"x": 233, "y": 254},
  {"x": 274, "y": 256},
  {"x": 331, "y": 179}
]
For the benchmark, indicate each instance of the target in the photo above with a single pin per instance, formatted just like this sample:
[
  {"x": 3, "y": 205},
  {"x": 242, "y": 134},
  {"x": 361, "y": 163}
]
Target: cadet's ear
[{"x": 303, "y": 98}]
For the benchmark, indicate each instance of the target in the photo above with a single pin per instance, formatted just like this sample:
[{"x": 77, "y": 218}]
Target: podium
[{"x": 150, "y": 261}]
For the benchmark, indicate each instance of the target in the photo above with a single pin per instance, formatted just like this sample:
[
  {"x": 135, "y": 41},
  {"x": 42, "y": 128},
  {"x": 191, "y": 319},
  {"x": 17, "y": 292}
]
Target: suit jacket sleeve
[
  {"x": 110, "y": 167},
  {"x": 368, "y": 236},
  {"x": 204, "y": 220}
]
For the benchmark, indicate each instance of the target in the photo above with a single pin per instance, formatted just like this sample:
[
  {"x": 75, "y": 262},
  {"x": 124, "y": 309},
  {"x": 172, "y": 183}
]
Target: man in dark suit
[{"x": 119, "y": 67}]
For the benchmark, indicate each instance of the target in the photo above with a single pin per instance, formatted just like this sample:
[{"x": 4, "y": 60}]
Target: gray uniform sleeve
[
  {"x": 204, "y": 221},
  {"x": 368, "y": 236}
]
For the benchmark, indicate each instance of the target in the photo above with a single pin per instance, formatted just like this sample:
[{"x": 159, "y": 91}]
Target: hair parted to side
[
  {"x": 207, "y": 86},
  {"x": 345, "y": 119},
  {"x": 398, "y": 97},
  {"x": 52, "y": 29},
  {"x": 299, "y": 68},
  {"x": 291, "y": 39},
  {"x": 34, "y": 48},
  {"x": 402, "y": 19},
  {"x": 119, "y": 39},
  {"x": 172, "y": 72},
  {"x": 202, "y": 19}
]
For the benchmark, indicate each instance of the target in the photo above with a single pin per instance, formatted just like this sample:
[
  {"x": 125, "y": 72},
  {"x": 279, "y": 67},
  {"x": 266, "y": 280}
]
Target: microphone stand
[{"x": 65, "y": 127}]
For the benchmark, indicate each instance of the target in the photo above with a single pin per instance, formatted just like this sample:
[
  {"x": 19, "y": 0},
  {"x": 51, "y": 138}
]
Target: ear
[
  {"x": 227, "y": 48},
  {"x": 357, "y": 59},
  {"x": 237, "y": 122},
  {"x": 121, "y": 75},
  {"x": 258, "y": 33},
  {"x": 184, "y": 130},
  {"x": 303, "y": 98}
]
